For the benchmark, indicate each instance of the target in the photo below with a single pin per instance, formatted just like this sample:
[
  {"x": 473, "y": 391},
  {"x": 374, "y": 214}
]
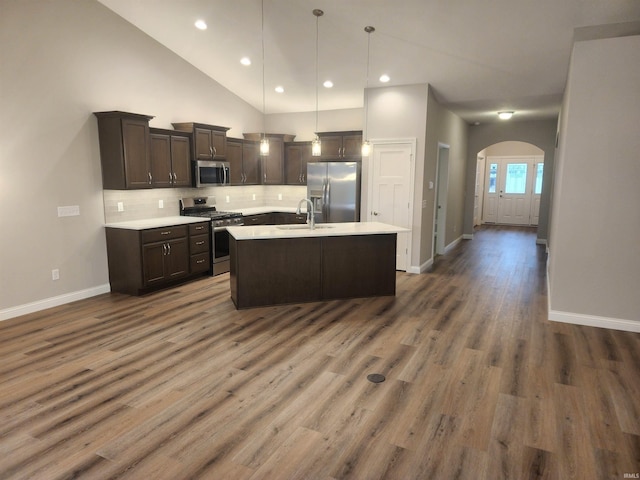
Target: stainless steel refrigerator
[{"x": 334, "y": 190}]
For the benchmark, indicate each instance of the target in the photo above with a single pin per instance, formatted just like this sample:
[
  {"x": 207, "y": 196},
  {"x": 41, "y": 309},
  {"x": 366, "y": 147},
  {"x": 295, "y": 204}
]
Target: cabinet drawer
[
  {"x": 198, "y": 228},
  {"x": 199, "y": 244},
  {"x": 200, "y": 262},
  {"x": 162, "y": 234}
]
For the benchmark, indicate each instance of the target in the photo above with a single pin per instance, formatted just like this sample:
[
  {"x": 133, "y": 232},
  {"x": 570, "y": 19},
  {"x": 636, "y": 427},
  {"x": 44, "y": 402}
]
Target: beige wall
[
  {"x": 505, "y": 149},
  {"x": 594, "y": 263},
  {"x": 303, "y": 125},
  {"x": 443, "y": 127},
  {"x": 60, "y": 61}
]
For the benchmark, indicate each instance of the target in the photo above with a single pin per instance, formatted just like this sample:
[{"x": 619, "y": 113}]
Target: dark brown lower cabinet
[
  {"x": 144, "y": 260},
  {"x": 293, "y": 270}
]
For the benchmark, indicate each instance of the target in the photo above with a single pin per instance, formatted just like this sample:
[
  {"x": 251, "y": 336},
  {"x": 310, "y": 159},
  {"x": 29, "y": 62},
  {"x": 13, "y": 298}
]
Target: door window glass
[
  {"x": 539, "y": 170},
  {"x": 516, "y": 178},
  {"x": 493, "y": 175}
]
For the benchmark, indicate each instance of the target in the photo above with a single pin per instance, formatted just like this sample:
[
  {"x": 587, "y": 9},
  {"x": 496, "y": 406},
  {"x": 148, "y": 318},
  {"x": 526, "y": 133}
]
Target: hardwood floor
[{"x": 180, "y": 385}]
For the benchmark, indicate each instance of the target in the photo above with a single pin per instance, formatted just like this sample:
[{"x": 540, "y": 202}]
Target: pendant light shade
[
  {"x": 366, "y": 145},
  {"x": 264, "y": 142},
  {"x": 316, "y": 146}
]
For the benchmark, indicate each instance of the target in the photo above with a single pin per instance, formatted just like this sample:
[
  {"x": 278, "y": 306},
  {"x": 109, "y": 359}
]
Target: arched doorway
[{"x": 508, "y": 185}]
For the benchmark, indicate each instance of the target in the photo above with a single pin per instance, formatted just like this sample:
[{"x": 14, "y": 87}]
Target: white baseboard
[
  {"x": 448, "y": 248},
  {"x": 587, "y": 320},
  {"x": 421, "y": 268},
  {"x": 594, "y": 321},
  {"x": 53, "y": 302},
  {"x": 467, "y": 236}
]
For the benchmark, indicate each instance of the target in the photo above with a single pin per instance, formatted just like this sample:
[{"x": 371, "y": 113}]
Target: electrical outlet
[
  {"x": 55, "y": 274},
  {"x": 120, "y": 206},
  {"x": 279, "y": 196},
  {"x": 227, "y": 199},
  {"x": 160, "y": 203},
  {"x": 253, "y": 196}
]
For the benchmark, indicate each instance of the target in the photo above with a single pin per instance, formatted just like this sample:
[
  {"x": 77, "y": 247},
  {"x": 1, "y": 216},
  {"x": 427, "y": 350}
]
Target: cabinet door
[
  {"x": 331, "y": 147},
  {"x": 219, "y": 144},
  {"x": 295, "y": 160},
  {"x": 181, "y": 161},
  {"x": 273, "y": 164},
  {"x": 160, "y": 160},
  {"x": 352, "y": 147},
  {"x": 153, "y": 262},
  {"x": 135, "y": 140},
  {"x": 234, "y": 157},
  {"x": 203, "y": 144},
  {"x": 177, "y": 258},
  {"x": 251, "y": 163}
]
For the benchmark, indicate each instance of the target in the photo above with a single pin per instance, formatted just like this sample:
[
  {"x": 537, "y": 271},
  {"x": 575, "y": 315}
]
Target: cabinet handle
[
  {"x": 200, "y": 227},
  {"x": 215, "y": 152},
  {"x": 164, "y": 249},
  {"x": 201, "y": 242},
  {"x": 265, "y": 176},
  {"x": 150, "y": 177},
  {"x": 211, "y": 151},
  {"x": 166, "y": 232},
  {"x": 175, "y": 177},
  {"x": 170, "y": 178},
  {"x": 169, "y": 248},
  {"x": 199, "y": 261}
]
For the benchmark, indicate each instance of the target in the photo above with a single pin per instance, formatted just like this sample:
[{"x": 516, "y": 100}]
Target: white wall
[
  {"x": 594, "y": 264},
  {"x": 61, "y": 61},
  {"x": 303, "y": 125}
]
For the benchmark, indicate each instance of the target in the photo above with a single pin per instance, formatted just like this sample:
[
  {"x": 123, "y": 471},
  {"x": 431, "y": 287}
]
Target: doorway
[
  {"x": 513, "y": 187},
  {"x": 442, "y": 189},
  {"x": 391, "y": 191}
]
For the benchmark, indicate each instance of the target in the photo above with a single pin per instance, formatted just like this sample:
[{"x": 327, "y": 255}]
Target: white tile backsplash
[{"x": 141, "y": 204}]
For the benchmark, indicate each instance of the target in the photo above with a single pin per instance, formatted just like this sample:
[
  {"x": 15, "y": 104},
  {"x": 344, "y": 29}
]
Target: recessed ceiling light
[
  {"x": 201, "y": 25},
  {"x": 328, "y": 84},
  {"x": 505, "y": 115},
  {"x": 246, "y": 61},
  {"x": 279, "y": 89},
  {"x": 384, "y": 78}
]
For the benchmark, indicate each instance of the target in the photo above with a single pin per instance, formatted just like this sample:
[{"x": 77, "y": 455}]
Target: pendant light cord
[
  {"x": 317, "y": 76},
  {"x": 264, "y": 108}
]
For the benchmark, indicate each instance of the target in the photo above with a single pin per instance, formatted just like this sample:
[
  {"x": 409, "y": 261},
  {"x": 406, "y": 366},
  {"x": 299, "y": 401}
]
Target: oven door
[
  {"x": 208, "y": 173},
  {"x": 220, "y": 242}
]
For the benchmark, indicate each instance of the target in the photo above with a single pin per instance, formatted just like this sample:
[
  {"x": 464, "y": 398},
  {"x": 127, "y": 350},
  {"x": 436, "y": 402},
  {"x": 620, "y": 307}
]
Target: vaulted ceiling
[{"x": 479, "y": 57}]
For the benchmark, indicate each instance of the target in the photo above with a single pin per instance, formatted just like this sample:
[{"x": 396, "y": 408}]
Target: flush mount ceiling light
[
  {"x": 201, "y": 24},
  {"x": 366, "y": 145},
  {"x": 505, "y": 115},
  {"x": 246, "y": 61},
  {"x": 316, "y": 147},
  {"x": 384, "y": 78},
  {"x": 328, "y": 84},
  {"x": 264, "y": 142},
  {"x": 279, "y": 89}
]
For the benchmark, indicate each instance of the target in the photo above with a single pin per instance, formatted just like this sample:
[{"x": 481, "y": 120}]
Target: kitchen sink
[{"x": 302, "y": 227}]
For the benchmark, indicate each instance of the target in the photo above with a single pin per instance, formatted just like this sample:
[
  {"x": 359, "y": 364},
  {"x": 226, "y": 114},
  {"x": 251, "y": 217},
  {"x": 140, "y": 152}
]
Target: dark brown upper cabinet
[
  {"x": 272, "y": 165},
  {"x": 124, "y": 150},
  {"x": 209, "y": 141},
  {"x": 296, "y": 157},
  {"x": 170, "y": 158},
  {"x": 341, "y": 146}
]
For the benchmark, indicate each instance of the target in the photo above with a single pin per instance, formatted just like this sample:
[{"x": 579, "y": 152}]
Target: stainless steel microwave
[{"x": 209, "y": 173}]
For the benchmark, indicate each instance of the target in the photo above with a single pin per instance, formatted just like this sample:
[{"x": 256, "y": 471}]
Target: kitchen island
[{"x": 281, "y": 264}]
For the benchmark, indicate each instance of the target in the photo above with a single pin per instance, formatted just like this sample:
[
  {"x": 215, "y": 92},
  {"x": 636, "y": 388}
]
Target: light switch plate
[
  {"x": 120, "y": 206},
  {"x": 160, "y": 203},
  {"x": 69, "y": 211}
]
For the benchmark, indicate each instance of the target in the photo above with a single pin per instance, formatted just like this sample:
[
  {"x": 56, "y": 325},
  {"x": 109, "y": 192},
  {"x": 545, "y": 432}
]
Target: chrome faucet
[{"x": 310, "y": 217}]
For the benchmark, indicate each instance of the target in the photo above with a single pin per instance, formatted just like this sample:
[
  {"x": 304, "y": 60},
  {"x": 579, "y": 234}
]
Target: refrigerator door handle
[{"x": 328, "y": 217}]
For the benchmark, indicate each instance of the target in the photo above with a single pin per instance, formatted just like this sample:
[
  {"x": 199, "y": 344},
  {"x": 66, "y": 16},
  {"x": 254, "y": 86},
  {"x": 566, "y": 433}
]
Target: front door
[{"x": 390, "y": 194}]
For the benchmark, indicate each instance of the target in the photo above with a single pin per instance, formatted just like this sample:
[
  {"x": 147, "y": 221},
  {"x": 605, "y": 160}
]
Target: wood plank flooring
[{"x": 180, "y": 385}]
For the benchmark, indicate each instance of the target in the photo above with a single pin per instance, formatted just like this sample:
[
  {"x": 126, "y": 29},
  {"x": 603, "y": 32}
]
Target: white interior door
[
  {"x": 491, "y": 195},
  {"x": 442, "y": 192},
  {"x": 391, "y": 192},
  {"x": 537, "y": 190},
  {"x": 479, "y": 192}
]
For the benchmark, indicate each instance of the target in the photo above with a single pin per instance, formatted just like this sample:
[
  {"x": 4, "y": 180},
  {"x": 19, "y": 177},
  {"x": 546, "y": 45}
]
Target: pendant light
[
  {"x": 366, "y": 145},
  {"x": 316, "y": 148},
  {"x": 264, "y": 142}
]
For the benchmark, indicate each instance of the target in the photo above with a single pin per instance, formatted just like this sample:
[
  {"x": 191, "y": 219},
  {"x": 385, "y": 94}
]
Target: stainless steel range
[{"x": 206, "y": 207}]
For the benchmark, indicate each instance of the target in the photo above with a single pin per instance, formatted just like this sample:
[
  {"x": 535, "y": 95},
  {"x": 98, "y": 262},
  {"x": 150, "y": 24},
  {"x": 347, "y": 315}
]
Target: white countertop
[
  {"x": 254, "y": 232},
  {"x": 263, "y": 209},
  {"x": 156, "y": 222}
]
